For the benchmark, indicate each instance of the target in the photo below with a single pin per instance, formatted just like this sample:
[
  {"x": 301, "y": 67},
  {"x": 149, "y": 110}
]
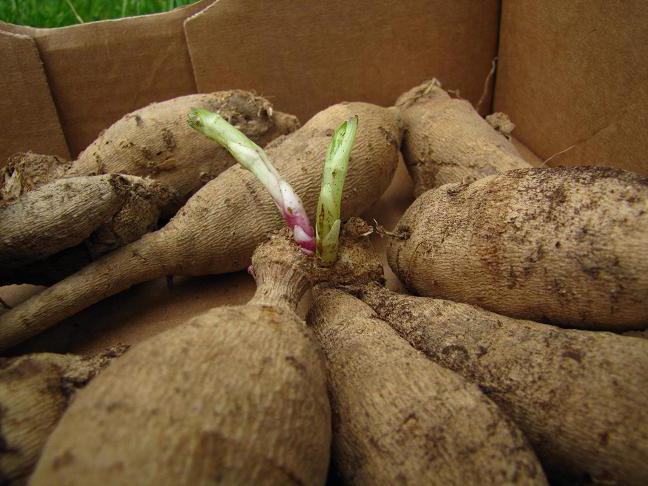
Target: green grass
[{"x": 58, "y": 13}]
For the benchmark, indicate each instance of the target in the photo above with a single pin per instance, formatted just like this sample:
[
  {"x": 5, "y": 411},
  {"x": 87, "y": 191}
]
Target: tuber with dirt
[
  {"x": 400, "y": 418},
  {"x": 236, "y": 395},
  {"x": 579, "y": 396},
  {"x": 155, "y": 142},
  {"x": 446, "y": 140},
  {"x": 85, "y": 216},
  {"x": 392, "y": 407},
  {"x": 155, "y": 147},
  {"x": 562, "y": 245}
]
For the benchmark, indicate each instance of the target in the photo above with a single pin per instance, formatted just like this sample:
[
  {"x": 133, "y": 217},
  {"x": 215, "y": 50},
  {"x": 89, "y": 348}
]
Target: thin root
[
  {"x": 544, "y": 162},
  {"x": 487, "y": 84},
  {"x": 384, "y": 233}
]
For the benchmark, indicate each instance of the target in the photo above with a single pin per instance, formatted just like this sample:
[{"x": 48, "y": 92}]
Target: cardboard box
[{"x": 572, "y": 75}]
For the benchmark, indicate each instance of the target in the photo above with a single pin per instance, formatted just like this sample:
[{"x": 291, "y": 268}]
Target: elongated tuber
[
  {"x": 399, "y": 418},
  {"x": 156, "y": 142},
  {"x": 579, "y": 396},
  {"x": 101, "y": 212}
]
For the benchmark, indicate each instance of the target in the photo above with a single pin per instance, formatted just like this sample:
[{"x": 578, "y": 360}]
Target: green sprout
[
  {"x": 327, "y": 228},
  {"x": 253, "y": 158}
]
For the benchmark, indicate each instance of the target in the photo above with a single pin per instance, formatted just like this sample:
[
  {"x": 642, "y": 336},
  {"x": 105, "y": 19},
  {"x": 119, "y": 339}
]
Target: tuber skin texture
[
  {"x": 217, "y": 230},
  {"x": 399, "y": 418},
  {"x": 156, "y": 142},
  {"x": 236, "y": 395},
  {"x": 35, "y": 390},
  {"x": 563, "y": 245},
  {"x": 579, "y": 396},
  {"x": 446, "y": 140},
  {"x": 101, "y": 212}
]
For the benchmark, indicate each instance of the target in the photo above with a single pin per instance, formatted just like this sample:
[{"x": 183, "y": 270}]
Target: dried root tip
[
  {"x": 145, "y": 202},
  {"x": 27, "y": 171},
  {"x": 383, "y": 232},
  {"x": 502, "y": 123},
  {"x": 246, "y": 111},
  {"x": 428, "y": 90},
  {"x": 285, "y": 123}
]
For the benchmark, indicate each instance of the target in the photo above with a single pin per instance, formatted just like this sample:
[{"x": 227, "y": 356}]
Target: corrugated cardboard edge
[
  {"x": 573, "y": 76},
  {"x": 307, "y": 57},
  {"x": 100, "y": 71},
  {"x": 28, "y": 117}
]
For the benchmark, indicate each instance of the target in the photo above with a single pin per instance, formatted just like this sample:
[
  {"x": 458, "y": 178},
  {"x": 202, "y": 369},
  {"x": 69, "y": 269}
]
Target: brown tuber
[
  {"x": 236, "y": 395},
  {"x": 171, "y": 161},
  {"x": 156, "y": 142},
  {"x": 399, "y": 418},
  {"x": 87, "y": 216},
  {"x": 446, "y": 140},
  {"x": 564, "y": 245},
  {"x": 579, "y": 396}
]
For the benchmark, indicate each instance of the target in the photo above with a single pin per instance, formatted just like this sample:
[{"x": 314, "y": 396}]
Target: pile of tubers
[{"x": 517, "y": 357}]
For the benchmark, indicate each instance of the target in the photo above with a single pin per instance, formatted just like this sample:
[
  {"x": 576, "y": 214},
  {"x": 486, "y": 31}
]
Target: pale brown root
[
  {"x": 156, "y": 142},
  {"x": 401, "y": 419},
  {"x": 24, "y": 172},
  {"x": 446, "y": 140},
  {"x": 489, "y": 76},
  {"x": 564, "y": 245},
  {"x": 34, "y": 392},
  {"x": 546, "y": 161},
  {"x": 234, "y": 396},
  {"x": 579, "y": 396},
  {"x": 217, "y": 230}
]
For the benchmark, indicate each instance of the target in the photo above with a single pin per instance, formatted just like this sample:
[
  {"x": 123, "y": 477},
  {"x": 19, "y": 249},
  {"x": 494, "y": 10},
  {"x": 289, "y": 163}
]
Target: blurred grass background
[{"x": 58, "y": 13}]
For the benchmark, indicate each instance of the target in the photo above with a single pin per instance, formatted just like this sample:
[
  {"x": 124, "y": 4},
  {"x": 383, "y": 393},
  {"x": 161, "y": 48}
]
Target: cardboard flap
[
  {"x": 100, "y": 71},
  {"x": 28, "y": 118},
  {"x": 573, "y": 76},
  {"x": 306, "y": 56}
]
